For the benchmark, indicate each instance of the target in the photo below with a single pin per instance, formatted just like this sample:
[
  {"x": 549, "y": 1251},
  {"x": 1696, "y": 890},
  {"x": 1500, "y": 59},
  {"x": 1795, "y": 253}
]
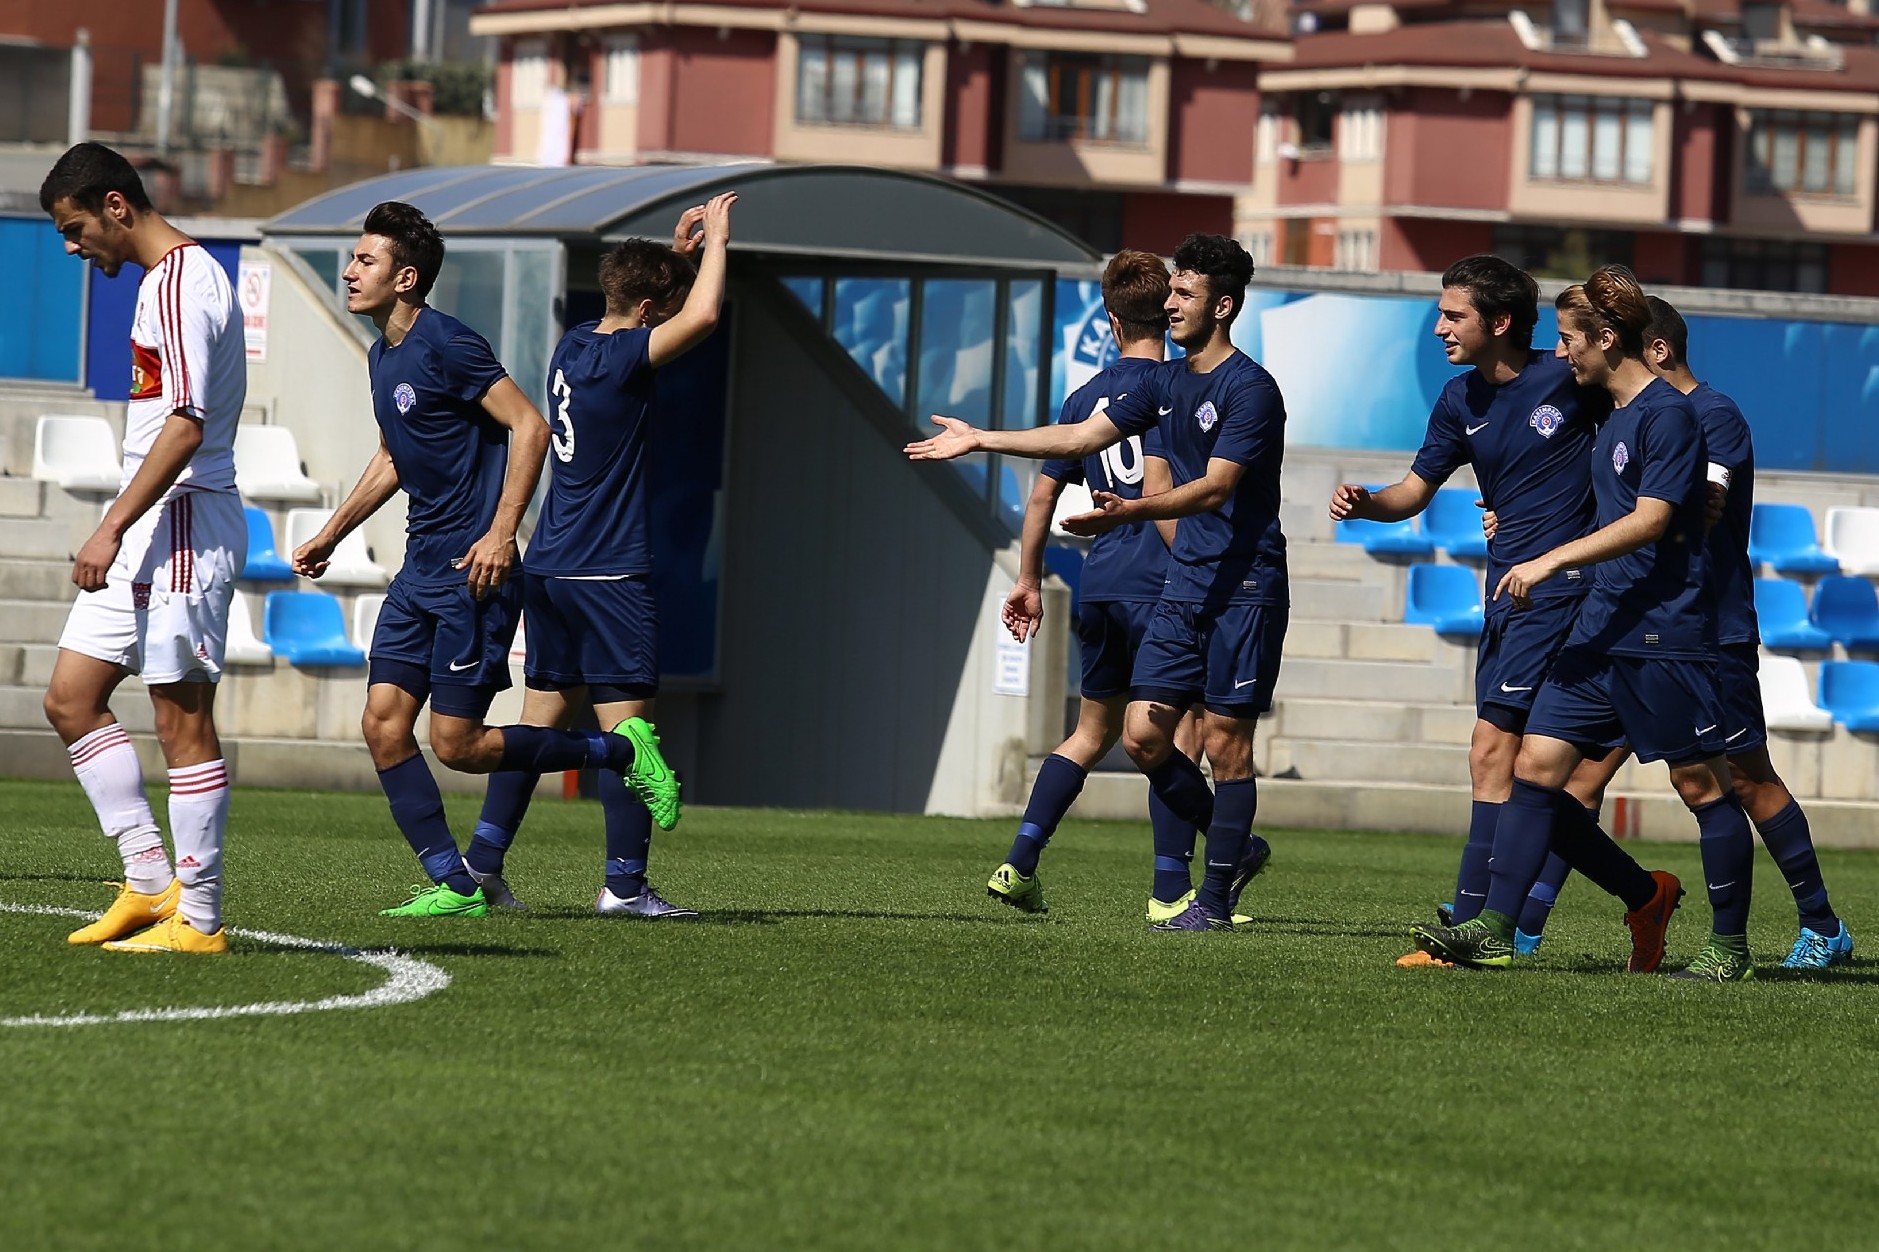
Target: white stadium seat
[
  {"x": 351, "y": 564},
  {"x": 1075, "y": 499},
  {"x": 365, "y": 619},
  {"x": 244, "y": 645},
  {"x": 267, "y": 466},
  {"x": 1786, "y": 702},
  {"x": 1852, "y": 538},
  {"x": 78, "y": 453}
]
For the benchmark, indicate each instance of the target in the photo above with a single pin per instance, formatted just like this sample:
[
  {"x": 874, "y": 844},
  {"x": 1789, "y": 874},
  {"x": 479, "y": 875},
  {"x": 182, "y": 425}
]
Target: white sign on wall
[
  {"x": 253, "y": 291},
  {"x": 1011, "y": 668}
]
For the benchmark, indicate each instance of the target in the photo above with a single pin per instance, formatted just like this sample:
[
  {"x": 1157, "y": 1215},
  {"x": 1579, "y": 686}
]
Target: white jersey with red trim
[{"x": 187, "y": 356}]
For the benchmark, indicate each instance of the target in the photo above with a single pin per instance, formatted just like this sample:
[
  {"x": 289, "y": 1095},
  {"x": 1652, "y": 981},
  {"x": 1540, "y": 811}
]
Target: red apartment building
[{"x": 1707, "y": 142}]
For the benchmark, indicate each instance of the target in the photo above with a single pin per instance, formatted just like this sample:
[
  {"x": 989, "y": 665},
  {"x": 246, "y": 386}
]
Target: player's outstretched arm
[
  {"x": 1644, "y": 525},
  {"x": 1203, "y": 495},
  {"x": 168, "y": 456},
  {"x": 375, "y": 486},
  {"x": 1394, "y": 503},
  {"x": 1024, "y": 607},
  {"x": 1042, "y": 443},
  {"x": 689, "y": 327},
  {"x": 487, "y": 564}
]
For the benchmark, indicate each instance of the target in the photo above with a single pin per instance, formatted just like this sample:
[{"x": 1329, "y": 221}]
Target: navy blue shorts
[
  {"x": 1666, "y": 709},
  {"x": 1109, "y": 633},
  {"x": 445, "y": 645},
  {"x": 585, "y": 632},
  {"x": 1517, "y": 650},
  {"x": 1226, "y": 658},
  {"x": 1739, "y": 682}
]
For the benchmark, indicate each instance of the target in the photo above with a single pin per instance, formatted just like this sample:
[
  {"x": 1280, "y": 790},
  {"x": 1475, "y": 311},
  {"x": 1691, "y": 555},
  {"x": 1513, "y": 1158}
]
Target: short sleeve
[
  {"x": 1444, "y": 446},
  {"x": 1137, "y": 411},
  {"x": 1726, "y": 438},
  {"x": 629, "y": 353},
  {"x": 470, "y": 368},
  {"x": 187, "y": 327},
  {"x": 1671, "y": 445},
  {"x": 1153, "y": 444},
  {"x": 1254, "y": 425}
]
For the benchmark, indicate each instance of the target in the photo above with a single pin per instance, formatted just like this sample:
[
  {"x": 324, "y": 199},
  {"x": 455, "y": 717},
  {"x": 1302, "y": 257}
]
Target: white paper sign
[
  {"x": 1011, "y": 668},
  {"x": 254, "y": 290}
]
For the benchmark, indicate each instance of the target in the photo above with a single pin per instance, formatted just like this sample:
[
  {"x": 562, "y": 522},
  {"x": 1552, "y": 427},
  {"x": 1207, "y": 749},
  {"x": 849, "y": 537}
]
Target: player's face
[
  {"x": 1466, "y": 336},
  {"x": 1191, "y": 313},
  {"x": 103, "y": 238},
  {"x": 371, "y": 278},
  {"x": 1585, "y": 351}
]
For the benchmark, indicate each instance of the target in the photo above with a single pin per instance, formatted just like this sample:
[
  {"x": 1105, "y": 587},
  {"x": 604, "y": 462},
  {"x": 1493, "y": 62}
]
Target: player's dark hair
[
  {"x": 1668, "y": 325},
  {"x": 1610, "y": 298},
  {"x": 87, "y": 173},
  {"x": 1135, "y": 291},
  {"x": 1498, "y": 287},
  {"x": 414, "y": 241},
  {"x": 641, "y": 269},
  {"x": 1225, "y": 265}
]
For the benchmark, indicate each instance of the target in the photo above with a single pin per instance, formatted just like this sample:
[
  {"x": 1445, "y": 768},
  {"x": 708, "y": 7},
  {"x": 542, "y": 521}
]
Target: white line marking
[{"x": 407, "y": 979}]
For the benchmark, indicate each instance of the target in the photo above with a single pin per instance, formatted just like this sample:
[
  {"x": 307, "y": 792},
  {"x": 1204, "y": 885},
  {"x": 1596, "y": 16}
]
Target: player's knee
[
  {"x": 1696, "y": 784},
  {"x": 463, "y": 748},
  {"x": 1146, "y": 745}
]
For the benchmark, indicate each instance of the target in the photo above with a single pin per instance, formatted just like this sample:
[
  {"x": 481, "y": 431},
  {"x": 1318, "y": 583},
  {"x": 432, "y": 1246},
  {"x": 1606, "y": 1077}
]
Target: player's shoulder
[
  {"x": 1710, "y": 403},
  {"x": 1248, "y": 377},
  {"x": 1661, "y": 402}
]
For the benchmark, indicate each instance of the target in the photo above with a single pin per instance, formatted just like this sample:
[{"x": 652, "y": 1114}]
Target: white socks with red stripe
[
  {"x": 107, "y": 768},
  {"x": 198, "y": 823}
]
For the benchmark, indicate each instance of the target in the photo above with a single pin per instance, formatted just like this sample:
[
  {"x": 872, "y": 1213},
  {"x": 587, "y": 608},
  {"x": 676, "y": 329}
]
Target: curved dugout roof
[{"x": 824, "y": 210}]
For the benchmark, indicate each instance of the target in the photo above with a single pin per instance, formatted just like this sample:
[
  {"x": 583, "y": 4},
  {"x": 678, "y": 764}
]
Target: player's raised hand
[
  {"x": 686, "y": 236},
  {"x": 94, "y": 560},
  {"x": 1024, "y": 609},
  {"x": 1110, "y": 512},
  {"x": 1490, "y": 521},
  {"x": 311, "y": 558},
  {"x": 1349, "y": 500},
  {"x": 488, "y": 563},
  {"x": 717, "y": 218},
  {"x": 956, "y": 439}
]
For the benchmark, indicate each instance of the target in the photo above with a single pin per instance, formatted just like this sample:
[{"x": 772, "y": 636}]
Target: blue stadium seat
[
  {"x": 1781, "y": 607},
  {"x": 1782, "y": 535},
  {"x": 1847, "y": 609},
  {"x": 265, "y": 565},
  {"x": 1447, "y": 597},
  {"x": 1454, "y": 523},
  {"x": 1850, "y": 691},
  {"x": 308, "y": 628},
  {"x": 1067, "y": 563},
  {"x": 1386, "y": 538}
]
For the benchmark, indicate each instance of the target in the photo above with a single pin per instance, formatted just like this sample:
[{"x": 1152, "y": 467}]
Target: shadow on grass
[
  {"x": 90, "y": 880},
  {"x": 768, "y": 917},
  {"x": 458, "y": 949}
]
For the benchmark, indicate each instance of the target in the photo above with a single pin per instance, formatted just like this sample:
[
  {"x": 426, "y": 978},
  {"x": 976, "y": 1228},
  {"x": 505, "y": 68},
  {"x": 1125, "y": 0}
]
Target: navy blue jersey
[
  {"x": 1530, "y": 442},
  {"x": 1130, "y": 563},
  {"x": 600, "y": 393},
  {"x": 1651, "y": 602},
  {"x": 1234, "y": 554},
  {"x": 1727, "y": 442},
  {"x": 450, "y": 454}
]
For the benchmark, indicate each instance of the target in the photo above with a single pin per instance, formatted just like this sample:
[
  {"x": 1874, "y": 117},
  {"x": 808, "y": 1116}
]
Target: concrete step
[
  {"x": 23, "y": 708},
  {"x": 1374, "y": 641},
  {"x": 1387, "y": 682},
  {"x": 31, "y": 621},
  {"x": 1443, "y": 724},
  {"x": 1338, "y": 562},
  {"x": 19, "y": 418},
  {"x": 20, "y": 497},
  {"x": 36, "y": 580},
  {"x": 39, "y": 539},
  {"x": 1322, "y": 600},
  {"x": 35, "y": 664},
  {"x": 1360, "y": 761}
]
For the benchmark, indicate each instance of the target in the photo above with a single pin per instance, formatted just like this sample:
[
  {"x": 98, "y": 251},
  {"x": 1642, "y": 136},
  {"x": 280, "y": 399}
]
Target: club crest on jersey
[
  {"x": 404, "y": 397},
  {"x": 1206, "y": 415},
  {"x": 1621, "y": 457},
  {"x": 1546, "y": 419}
]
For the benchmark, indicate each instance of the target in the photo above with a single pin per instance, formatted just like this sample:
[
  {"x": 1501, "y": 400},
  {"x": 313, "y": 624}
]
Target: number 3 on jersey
[
  {"x": 561, "y": 429},
  {"x": 1122, "y": 462}
]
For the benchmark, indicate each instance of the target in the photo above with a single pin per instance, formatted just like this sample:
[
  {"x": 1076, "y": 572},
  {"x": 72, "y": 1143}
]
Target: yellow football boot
[
  {"x": 131, "y": 912},
  {"x": 173, "y": 935}
]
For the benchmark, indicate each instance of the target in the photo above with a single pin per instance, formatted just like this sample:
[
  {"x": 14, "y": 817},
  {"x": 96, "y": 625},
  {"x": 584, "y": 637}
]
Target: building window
[
  {"x": 858, "y": 82},
  {"x": 1561, "y": 252},
  {"x": 1812, "y": 153},
  {"x": 1315, "y": 115},
  {"x": 1103, "y": 99},
  {"x": 1572, "y": 24},
  {"x": 622, "y": 85},
  {"x": 1600, "y": 139},
  {"x": 1360, "y": 131},
  {"x": 1356, "y": 251},
  {"x": 1765, "y": 264},
  {"x": 1258, "y": 245},
  {"x": 528, "y": 73},
  {"x": 1266, "y": 138}
]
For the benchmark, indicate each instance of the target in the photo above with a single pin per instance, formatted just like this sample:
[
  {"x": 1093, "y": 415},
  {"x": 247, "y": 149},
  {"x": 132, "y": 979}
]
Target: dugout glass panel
[{"x": 871, "y": 325}]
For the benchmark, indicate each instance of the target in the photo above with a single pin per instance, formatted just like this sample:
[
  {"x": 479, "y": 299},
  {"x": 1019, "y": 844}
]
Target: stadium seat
[
  {"x": 308, "y": 628},
  {"x": 1453, "y": 524},
  {"x": 1447, "y": 597},
  {"x": 1067, "y": 563},
  {"x": 365, "y": 619},
  {"x": 265, "y": 563},
  {"x": 1848, "y": 610},
  {"x": 1781, "y": 607},
  {"x": 244, "y": 647},
  {"x": 1852, "y": 539},
  {"x": 1782, "y": 536},
  {"x": 352, "y": 564},
  {"x": 1849, "y": 690},
  {"x": 267, "y": 466},
  {"x": 1386, "y": 538},
  {"x": 1075, "y": 499},
  {"x": 78, "y": 453},
  {"x": 1786, "y": 702}
]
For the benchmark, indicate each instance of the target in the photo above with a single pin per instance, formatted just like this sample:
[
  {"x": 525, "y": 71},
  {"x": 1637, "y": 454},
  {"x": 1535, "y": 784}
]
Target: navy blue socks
[
  {"x": 1183, "y": 788},
  {"x": 1583, "y": 845},
  {"x": 418, "y": 808},
  {"x": 1174, "y": 850},
  {"x": 1236, "y": 802},
  {"x": 1471, "y": 880},
  {"x": 1059, "y": 781},
  {"x": 629, "y": 835},
  {"x": 505, "y": 803},
  {"x": 1544, "y": 896},
  {"x": 1521, "y": 841},
  {"x": 544, "y": 750},
  {"x": 1728, "y": 861},
  {"x": 1791, "y": 843}
]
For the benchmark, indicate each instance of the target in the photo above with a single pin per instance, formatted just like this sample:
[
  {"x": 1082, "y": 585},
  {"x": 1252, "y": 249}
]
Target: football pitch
[{"x": 855, "y": 1048}]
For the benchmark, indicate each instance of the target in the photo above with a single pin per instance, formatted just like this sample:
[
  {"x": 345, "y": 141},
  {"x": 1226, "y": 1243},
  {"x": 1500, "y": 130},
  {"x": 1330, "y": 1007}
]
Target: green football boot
[
  {"x": 1717, "y": 963},
  {"x": 651, "y": 779},
  {"x": 1021, "y": 893},
  {"x": 439, "y": 901},
  {"x": 1473, "y": 943}
]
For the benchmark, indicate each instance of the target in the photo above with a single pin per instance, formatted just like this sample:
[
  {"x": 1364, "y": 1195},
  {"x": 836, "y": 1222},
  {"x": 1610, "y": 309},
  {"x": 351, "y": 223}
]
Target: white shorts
[{"x": 163, "y": 612}]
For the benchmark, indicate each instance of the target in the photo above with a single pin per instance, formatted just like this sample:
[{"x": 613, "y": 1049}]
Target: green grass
[{"x": 857, "y": 1049}]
